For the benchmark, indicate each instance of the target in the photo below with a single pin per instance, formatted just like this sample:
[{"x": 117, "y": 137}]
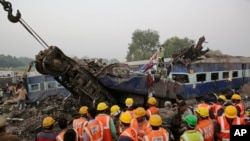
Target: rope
[{"x": 34, "y": 34}]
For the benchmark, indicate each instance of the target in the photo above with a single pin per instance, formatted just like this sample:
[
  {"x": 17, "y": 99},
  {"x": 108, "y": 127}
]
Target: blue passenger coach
[{"x": 211, "y": 75}]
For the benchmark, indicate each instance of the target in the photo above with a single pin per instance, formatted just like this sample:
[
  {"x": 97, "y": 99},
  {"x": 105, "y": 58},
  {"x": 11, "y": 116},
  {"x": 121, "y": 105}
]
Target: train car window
[
  {"x": 225, "y": 75},
  {"x": 51, "y": 85},
  {"x": 182, "y": 78},
  {"x": 201, "y": 77},
  {"x": 214, "y": 76},
  {"x": 235, "y": 73},
  {"x": 34, "y": 87}
]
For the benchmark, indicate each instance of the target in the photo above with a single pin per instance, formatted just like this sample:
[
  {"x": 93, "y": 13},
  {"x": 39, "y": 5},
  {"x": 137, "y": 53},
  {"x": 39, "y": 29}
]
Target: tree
[
  {"x": 144, "y": 45},
  {"x": 173, "y": 44}
]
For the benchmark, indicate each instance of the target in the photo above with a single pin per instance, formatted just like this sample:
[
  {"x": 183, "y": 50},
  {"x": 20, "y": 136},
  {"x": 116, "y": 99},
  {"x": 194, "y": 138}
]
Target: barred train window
[
  {"x": 182, "y": 78},
  {"x": 235, "y": 73},
  {"x": 201, "y": 77},
  {"x": 214, "y": 76},
  {"x": 225, "y": 74}
]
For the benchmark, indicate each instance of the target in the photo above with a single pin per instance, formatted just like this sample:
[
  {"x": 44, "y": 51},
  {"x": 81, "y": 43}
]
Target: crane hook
[
  {"x": 13, "y": 18},
  {"x": 8, "y": 7}
]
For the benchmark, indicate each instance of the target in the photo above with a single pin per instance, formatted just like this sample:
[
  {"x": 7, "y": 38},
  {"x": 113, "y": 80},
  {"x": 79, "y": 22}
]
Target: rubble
[{"x": 27, "y": 123}]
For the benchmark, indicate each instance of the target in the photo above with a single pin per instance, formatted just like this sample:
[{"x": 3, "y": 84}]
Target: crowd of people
[{"x": 174, "y": 122}]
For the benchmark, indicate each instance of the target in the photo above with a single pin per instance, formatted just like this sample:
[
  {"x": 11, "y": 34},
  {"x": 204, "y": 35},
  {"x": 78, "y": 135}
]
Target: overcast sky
[{"x": 103, "y": 28}]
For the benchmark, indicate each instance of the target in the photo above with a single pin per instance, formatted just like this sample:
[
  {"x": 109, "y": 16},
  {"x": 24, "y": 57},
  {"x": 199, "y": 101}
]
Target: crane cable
[{"x": 33, "y": 33}]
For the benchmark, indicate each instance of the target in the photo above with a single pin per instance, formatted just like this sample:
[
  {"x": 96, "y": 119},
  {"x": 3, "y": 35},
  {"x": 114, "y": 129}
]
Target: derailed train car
[{"x": 187, "y": 73}]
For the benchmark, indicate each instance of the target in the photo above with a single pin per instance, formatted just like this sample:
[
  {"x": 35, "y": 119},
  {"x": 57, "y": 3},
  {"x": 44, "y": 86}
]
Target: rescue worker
[
  {"x": 140, "y": 123},
  {"x": 222, "y": 127},
  {"x": 129, "y": 104},
  {"x": 156, "y": 132},
  {"x": 205, "y": 125},
  {"x": 115, "y": 113},
  {"x": 129, "y": 134},
  {"x": 153, "y": 109},
  {"x": 236, "y": 99},
  {"x": 206, "y": 103},
  {"x": 167, "y": 116},
  {"x": 218, "y": 107},
  {"x": 109, "y": 130},
  {"x": 47, "y": 134},
  {"x": 4, "y": 136},
  {"x": 94, "y": 128},
  {"x": 62, "y": 122},
  {"x": 21, "y": 96},
  {"x": 247, "y": 116},
  {"x": 80, "y": 123},
  {"x": 179, "y": 125},
  {"x": 191, "y": 134},
  {"x": 70, "y": 135}
]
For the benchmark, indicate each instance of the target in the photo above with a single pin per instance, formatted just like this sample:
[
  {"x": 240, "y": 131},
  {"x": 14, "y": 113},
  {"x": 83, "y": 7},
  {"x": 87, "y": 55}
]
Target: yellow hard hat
[
  {"x": 230, "y": 112},
  {"x": 48, "y": 121},
  {"x": 140, "y": 112},
  {"x": 129, "y": 101},
  {"x": 125, "y": 117},
  {"x": 155, "y": 120},
  {"x": 114, "y": 109},
  {"x": 3, "y": 121},
  {"x": 222, "y": 97},
  {"x": 102, "y": 106},
  {"x": 236, "y": 97},
  {"x": 83, "y": 110},
  {"x": 152, "y": 101},
  {"x": 202, "y": 111}
]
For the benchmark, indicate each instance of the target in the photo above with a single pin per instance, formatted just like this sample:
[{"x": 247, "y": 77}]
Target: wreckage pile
[{"x": 27, "y": 123}]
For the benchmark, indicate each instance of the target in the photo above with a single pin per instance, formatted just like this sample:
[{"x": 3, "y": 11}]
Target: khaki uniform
[{"x": 8, "y": 137}]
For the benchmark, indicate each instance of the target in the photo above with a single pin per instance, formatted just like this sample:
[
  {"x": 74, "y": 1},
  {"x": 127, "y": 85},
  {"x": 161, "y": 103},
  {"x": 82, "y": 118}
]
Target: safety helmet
[
  {"x": 102, "y": 106},
  {"x": 48, "y": 121},
  {"x": 114, "y": 109},
  {"x": 202, "y": 111},
  {"x": 83, "y": 110},
  {"x": 129, "y": 101},
  {"x": 230, "y": 111},
  {"x": 222, "y": 97},
  {"x": 140, "y": 112},
  {"x": 236, "y": 97},
  {"x": 155, "y": 120},
  {"x": 3, "y": 121},
  {"x": 152, "y": 101},
  {"x": 191, "y": 120},
  {"x": 125, "y": 117}
]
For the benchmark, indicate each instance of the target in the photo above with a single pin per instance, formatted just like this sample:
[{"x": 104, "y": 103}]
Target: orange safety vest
[
  {"x": 130, "y": 132},
  {"x": 152, "y": 110},
  {"x": 159, "y": 135},
  {"x": 242, "y": 109},
  {"x": 140, "y": 128},
  {"x": 78, "y": 125},
  {"x": 105, "y": 120},
  {"x": 225, "y": 127},
  {"x": 60, "y": 136},
  {"x": 206, "y": 127},
  {"x": 94, "y": 130},
  {"x": 204, "y": 105},
  {"x": 216, "y": 108}
]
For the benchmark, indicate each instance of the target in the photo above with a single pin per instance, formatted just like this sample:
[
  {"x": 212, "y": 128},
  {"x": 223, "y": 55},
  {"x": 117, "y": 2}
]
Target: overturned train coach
[{"x": 93, "y": 81}]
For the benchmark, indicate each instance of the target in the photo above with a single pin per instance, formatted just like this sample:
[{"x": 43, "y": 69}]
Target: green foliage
[
  {"x": 173, "y": 44},
  {"x": 144, "y": 45},
  {"x": 13, "y": 62}
]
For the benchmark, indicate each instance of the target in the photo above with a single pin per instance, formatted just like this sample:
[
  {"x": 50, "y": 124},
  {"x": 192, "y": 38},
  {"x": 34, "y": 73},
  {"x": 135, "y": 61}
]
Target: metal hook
[{"x": 12, "y": 18}]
